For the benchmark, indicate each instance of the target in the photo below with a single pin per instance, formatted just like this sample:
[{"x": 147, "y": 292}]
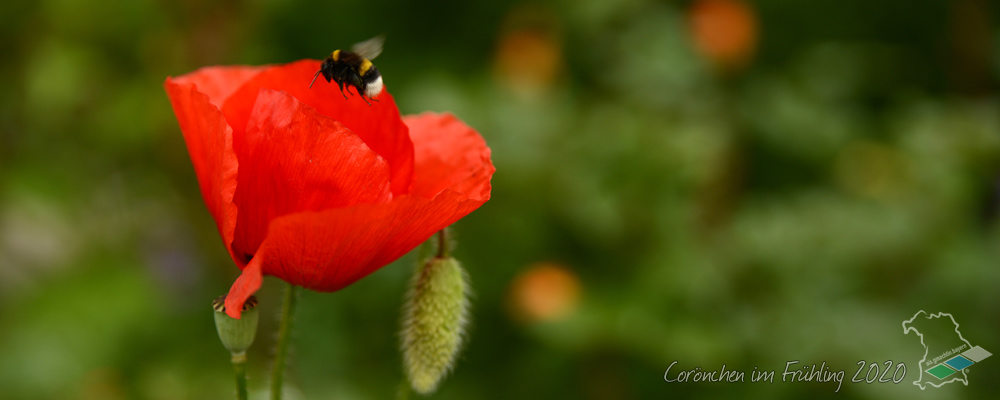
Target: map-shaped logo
[{"x": 947, "y": 355}]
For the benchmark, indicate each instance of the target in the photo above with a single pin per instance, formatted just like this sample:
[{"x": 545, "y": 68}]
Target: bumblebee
[{"x": 354, "y": 68}]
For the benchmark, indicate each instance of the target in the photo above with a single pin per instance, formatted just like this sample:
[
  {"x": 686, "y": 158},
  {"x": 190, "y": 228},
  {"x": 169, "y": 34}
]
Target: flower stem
[
  {"x": 284, "y": 337},
  {"x": 240, "y": 366},
  {"x": 443, "y": 243},
  {"x": 404, "y": 390}
]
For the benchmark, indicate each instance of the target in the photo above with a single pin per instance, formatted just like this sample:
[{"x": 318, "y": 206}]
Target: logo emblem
[{"x": 947, "y": 355}]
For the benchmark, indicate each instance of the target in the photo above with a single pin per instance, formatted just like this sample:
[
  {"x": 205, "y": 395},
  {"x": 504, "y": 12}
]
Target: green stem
[
  {"x": 240, "y": 366},
  {"x": 443, "y": 243},
  {"x": 404, "y": 390},
  {"x": 284, "y": 337}
]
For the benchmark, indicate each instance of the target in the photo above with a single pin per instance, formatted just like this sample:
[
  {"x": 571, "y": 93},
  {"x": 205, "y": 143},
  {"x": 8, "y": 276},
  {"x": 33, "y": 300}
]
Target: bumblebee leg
[
  {"x": 314, "y": 78},
  {"x": 341, "y": 86}
]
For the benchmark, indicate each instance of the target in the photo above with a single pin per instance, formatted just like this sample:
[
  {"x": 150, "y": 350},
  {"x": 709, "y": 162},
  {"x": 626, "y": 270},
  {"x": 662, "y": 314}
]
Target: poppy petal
[
  {"x": 245, "y": 286},
  {"x": 449, "y": 155},
  {"x": 210, "y": 144},
  {"x": 378, "y": 125},
  {"x": 218, "y": 83},
  {"x": 296, "y": 160},
  {"x": 328, "y": 250}
]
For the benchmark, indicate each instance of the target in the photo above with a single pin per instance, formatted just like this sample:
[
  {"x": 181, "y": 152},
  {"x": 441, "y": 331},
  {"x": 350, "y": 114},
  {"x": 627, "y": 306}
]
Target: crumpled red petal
[
  {"x": 378, "y": 125},
  {"x": 449, "y": 154},
  {"x": 301, "y": 161},
  {"x": 245, "y": 286},
  {"x": 330, "y": 249},
  {"x": 210, "y": 143},
  {"x": 218, "y": 83}
]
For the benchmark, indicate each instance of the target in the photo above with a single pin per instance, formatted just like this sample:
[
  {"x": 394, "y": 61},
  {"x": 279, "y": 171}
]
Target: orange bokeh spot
[
  {"x": 544, "y": 291},
  {"x": 725, "y": 31},
  {"x": 529, "y": 51},
  {"x": 528, "y": 59}
]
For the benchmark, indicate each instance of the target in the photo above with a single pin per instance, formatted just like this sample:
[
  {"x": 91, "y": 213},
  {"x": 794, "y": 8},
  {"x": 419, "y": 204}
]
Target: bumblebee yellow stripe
[
  {"x": 365, "y": 65},
  {"x": 336, "y": 55}
]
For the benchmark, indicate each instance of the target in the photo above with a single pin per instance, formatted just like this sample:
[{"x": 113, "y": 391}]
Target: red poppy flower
[{"x": 315, "y": 189}]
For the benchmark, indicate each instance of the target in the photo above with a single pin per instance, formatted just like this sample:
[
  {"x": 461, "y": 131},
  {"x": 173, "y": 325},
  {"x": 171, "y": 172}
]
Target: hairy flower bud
[
  {"x": 435, "y": 317},
  {"x": 236, "y": 334}
]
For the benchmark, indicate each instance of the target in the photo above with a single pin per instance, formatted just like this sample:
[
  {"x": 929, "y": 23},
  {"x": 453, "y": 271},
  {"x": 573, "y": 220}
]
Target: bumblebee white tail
[{"x": 373, "y": 89}]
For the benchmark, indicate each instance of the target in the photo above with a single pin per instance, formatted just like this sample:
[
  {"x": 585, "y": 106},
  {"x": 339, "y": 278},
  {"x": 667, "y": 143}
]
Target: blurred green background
[{"x": 712, "y": 182}]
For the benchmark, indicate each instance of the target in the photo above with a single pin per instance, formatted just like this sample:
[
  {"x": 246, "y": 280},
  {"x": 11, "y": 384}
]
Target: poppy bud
[
  {"x": 236, "y": 334},
  {"x": 435, "y": 317}
]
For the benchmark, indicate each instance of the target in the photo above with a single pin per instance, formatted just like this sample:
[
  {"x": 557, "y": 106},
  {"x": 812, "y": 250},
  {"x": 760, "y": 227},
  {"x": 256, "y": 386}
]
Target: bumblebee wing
[{"x": 370, "y": 48}]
